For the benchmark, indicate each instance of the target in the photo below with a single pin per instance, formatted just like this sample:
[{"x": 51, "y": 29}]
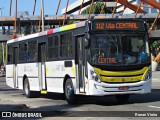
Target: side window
[
  {"x": 66, "y": 45},
  {"x": 10, "y": 54},
  {"x": 32, "y": 51},
  {"x": 23, "y": 52},
  {"x": 53, "y": 47}
]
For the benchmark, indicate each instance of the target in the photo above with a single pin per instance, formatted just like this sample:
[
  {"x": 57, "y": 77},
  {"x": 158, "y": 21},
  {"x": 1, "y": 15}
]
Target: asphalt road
[{"x": 15, "y": 100}]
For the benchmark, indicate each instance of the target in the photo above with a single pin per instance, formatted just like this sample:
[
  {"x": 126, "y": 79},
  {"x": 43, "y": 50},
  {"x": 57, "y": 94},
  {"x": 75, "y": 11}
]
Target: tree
[
  {"x": 1, "y": 53},
  {"x": 96, "y": 9}
]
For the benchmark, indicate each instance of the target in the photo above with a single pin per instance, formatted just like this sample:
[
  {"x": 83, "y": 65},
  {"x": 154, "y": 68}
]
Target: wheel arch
[{"x": 24, "y": 77}]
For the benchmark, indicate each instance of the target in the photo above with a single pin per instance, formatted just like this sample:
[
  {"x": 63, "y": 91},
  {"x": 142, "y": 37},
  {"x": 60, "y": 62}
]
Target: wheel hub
[
  {"x": 26, "y": 89},
  {"x": 69, "y": 90}
]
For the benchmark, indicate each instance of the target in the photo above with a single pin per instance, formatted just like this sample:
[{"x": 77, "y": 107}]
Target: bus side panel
[
  {"x": 76, "y": 83},
  {"x": 20, "y": 75},
  {"x": 71, "y": 71},
  {"x": 55, "y": 85},
  {"x": 31, "y": 71},
  {"x": 10, "y": 75},
  {"x": 34, "y": 84},
  {"x": 55, "y": 73}
]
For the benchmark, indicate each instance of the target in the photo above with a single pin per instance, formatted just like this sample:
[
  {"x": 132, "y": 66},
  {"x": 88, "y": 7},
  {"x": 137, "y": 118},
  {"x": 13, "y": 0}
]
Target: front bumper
[{"x": 101, "y": 89}]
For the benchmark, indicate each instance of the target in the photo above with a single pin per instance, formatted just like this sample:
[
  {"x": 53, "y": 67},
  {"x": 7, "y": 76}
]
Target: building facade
[
  {"x": 149, "y": 10},
  {"x": 79, "y": 2},
  {"x": 145, "y": 7},
  {"x": 120, "y": 7}
]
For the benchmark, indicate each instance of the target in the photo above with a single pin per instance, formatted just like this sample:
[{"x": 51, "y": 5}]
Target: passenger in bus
[{"x": 112, "y": 50}]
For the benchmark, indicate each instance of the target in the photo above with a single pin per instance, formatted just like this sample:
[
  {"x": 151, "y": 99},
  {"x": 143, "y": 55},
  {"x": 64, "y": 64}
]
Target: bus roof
[{"x": 48, "y": 32}]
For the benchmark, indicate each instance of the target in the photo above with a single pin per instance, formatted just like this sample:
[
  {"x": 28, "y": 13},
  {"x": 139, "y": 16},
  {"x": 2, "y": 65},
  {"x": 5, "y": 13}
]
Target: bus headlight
[
  {"x": 148, "y": 74},
  {"x": 94, "y": 76}
]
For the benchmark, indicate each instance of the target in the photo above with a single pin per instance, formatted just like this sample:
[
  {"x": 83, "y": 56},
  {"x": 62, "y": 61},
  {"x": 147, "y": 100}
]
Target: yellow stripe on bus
[
  {"x": 73, "y": 71},
  {"x": 68, "y": 27},
  {"x": 121, "y": 76},
  {"x": 43, "y": 92},
  {"x": 120, "y": 73},
  {"x": 122, "y": 79},
  {"x": 46, "y": 71}
]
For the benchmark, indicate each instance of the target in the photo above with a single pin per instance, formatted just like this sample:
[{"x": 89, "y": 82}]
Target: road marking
[
  {"x": 153, "y": 106},
  {"x": 154, "y": 79}
]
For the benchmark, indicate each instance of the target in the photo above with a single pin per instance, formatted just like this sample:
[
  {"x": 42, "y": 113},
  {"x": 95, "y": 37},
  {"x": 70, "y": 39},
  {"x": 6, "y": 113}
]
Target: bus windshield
[{"x": 119, "y": 49}]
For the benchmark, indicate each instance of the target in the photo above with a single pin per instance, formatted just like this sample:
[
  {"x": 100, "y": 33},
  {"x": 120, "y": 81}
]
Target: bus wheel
[
  {"x": 69, "y": 92},
  {"x": 28, "y": 92},
  {"x": 122, "y": 98}
]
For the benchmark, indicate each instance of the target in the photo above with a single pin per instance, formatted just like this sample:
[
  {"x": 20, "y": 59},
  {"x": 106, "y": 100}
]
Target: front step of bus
[{"x": 43, "y": 91}]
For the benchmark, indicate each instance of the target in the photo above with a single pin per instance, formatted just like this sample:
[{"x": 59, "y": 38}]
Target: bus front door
[
  {"x": 42, "y": 67},
  {"x": 80, "y": 60},
  {"x": 15, "y": 68}
]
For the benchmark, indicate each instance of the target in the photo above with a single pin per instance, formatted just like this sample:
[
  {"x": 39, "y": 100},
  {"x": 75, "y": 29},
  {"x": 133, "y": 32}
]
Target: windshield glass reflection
[{"x": 118, "y": 50}]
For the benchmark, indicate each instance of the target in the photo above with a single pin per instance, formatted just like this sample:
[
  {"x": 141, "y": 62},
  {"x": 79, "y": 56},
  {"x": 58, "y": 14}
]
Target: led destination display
[{"x": 117, "y": 25}]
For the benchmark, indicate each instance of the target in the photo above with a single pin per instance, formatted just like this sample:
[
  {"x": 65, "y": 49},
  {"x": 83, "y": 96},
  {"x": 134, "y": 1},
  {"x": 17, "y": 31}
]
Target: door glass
[
  {"x": 15, "y": 66},
  {"x": 43, "y": 55},
  {"x": 42, "y": 67},
  {"x": 81, "y": 58}
]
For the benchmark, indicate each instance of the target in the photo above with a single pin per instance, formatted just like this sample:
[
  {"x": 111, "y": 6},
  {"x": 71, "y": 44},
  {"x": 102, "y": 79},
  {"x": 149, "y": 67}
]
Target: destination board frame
[{"x": 124, "y": 24}]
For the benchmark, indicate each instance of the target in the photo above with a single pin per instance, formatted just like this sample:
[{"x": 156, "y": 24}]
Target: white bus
[{"x": 97, "y": 58}]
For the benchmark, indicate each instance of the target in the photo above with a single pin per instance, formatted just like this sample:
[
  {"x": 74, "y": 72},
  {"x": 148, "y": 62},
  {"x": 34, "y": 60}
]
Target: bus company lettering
[{"x": 106, "y": 60}]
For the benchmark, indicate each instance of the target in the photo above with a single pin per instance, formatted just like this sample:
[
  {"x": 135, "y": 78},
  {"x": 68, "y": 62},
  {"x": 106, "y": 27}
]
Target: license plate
[{"x": 123, "y": 88}]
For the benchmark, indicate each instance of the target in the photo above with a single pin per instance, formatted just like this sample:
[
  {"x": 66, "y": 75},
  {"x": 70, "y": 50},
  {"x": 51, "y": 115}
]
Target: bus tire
[
  {"x": 27, "y": 91},
  {"x": 69, "y": 92},
  {"x": 122, "y": 98}
]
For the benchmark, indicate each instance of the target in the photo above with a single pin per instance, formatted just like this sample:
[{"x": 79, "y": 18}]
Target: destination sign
[{"x": 117, "y": 25}]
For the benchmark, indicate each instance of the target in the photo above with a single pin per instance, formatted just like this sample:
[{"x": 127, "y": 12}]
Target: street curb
[{"x": 155, "y": 79}]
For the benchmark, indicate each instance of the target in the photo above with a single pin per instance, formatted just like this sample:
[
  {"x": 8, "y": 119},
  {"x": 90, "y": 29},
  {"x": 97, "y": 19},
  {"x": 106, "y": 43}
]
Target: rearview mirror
[{"x": 86, "y": 43}]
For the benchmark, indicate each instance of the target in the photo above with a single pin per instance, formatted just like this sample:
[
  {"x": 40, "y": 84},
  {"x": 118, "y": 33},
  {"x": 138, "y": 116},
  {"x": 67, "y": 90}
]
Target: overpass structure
[
  {"x": 15, "y": 26},
  {"x": 31, "y": 23}
]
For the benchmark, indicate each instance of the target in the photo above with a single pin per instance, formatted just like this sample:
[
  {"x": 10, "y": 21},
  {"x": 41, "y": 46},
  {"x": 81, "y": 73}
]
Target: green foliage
[
  {"x": 70, "y": 22},
  {"x": 1, "y": 53},
  {"x": 96, "y": 9}
]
